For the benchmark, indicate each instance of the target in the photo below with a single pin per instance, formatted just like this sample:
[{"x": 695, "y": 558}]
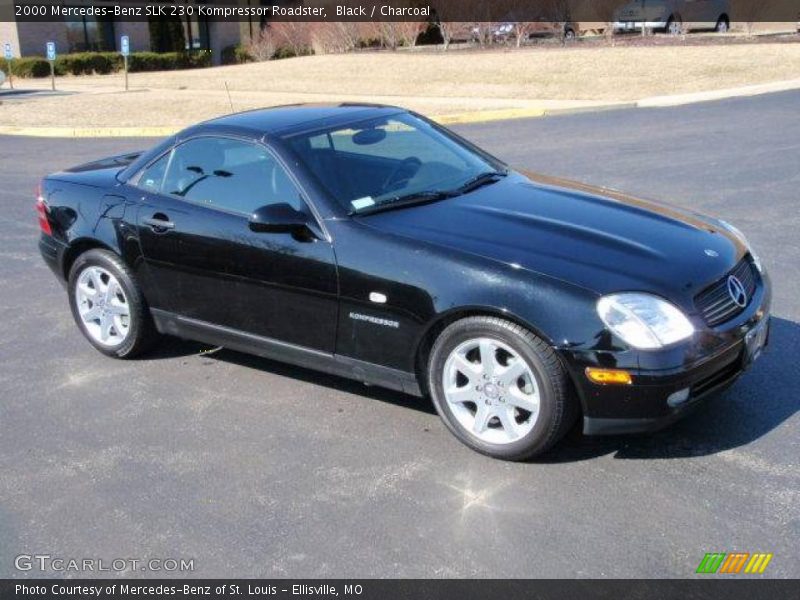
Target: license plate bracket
[{"x": 754, "y": 342}]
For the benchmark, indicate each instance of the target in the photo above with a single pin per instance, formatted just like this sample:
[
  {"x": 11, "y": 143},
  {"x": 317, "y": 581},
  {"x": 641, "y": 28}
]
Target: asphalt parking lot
[{"x": 257, "y": 469}]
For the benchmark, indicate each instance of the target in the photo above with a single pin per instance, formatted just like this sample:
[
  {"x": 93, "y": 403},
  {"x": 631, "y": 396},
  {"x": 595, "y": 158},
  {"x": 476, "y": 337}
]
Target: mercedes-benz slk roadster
[{"x": 369, "y": 242}]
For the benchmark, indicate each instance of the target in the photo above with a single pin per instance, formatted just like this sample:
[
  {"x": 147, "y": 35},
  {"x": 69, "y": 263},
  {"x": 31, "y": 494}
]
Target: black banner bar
[
  {"x": 457, "y": 11},
  {"x": 403, "y": 589}
]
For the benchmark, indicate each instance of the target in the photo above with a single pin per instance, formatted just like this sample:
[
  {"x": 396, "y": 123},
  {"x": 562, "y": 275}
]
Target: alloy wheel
[
  {"x": 102, "y": 306},
  {"x": 491, "y": 390}
]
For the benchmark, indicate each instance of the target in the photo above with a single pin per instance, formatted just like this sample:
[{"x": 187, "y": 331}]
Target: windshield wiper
[
  {"x": 395, "y": 202},
  {"x": 479, "y": 181},
  {"x": 427, "y": 197}
]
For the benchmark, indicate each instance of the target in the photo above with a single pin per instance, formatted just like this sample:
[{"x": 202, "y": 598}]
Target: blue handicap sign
[
  {"x": 51, "y": 50},
  {"x": 7, "y": 51},
  {"x": 125, "y": 45}
]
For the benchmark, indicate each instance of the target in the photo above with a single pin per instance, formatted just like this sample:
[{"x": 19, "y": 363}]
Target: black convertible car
[{"x": 369, "y": 242}]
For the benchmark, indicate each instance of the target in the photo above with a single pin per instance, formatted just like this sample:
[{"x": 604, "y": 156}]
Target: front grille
[{"x": 716, "y": 304}]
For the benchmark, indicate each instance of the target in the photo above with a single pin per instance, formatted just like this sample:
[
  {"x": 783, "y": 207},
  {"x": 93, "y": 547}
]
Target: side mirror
[{"x": 279, "y": 218}]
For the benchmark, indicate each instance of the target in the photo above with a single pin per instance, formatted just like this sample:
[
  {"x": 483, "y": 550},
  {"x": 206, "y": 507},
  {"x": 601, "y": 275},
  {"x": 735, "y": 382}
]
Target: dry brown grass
[{"x": 432, "y": 82}]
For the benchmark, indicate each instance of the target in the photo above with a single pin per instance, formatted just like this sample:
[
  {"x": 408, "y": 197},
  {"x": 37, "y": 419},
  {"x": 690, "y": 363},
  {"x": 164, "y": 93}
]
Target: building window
[{"x": 90, "y": 34}]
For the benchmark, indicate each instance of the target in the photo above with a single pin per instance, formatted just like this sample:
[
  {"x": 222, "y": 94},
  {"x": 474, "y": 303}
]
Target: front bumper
[
  {"x": 660, "y": 396},
  {"x": 700, "y": 383}
]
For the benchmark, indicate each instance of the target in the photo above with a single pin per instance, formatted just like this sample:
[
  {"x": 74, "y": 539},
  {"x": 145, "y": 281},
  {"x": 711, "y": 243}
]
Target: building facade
[{"x": 87, "y": 34}]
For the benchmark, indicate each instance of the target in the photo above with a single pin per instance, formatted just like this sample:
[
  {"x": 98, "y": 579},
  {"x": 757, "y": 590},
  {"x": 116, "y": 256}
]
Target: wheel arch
[{"x": 78, "y": 247}]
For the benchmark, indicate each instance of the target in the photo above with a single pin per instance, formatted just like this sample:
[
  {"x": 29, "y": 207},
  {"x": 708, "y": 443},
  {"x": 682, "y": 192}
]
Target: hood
[{"x": 599, "y": 239}]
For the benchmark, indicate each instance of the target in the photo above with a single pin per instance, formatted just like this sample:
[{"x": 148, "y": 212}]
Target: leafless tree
[
  {"x": 408, "y": 32},
  {"x": 333, "y": 37},
  {"x": 446, "y": 13},
  {"x": 388, "y": 35},
  {"x": 522, "y": 30},
  {"x": 293, "y": 35},
  {"x": 559, "y": 13},
  {"x": 262, "y": 46}
]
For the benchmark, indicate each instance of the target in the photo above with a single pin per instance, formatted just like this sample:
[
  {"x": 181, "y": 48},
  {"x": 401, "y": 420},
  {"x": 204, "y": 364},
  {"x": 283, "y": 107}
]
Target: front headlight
[
  {"x": 741, "y": 237},
  {"x": 644, "y": 321}
]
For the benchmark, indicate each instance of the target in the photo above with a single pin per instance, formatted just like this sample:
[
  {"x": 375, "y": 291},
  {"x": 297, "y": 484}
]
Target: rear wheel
[
  {"x": 108, "y": 305},
  {"x": 499, "y": 388}
]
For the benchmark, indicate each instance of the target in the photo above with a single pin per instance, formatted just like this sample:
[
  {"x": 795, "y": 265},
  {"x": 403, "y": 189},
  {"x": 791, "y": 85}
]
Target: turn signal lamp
[{"x": 608, "y": 376}]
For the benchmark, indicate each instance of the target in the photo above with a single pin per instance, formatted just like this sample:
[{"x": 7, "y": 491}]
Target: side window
[
  {"x": 229, "y": 174},
  {"x": 153, "y": 176},
  {"x": 320, "y": 142}
]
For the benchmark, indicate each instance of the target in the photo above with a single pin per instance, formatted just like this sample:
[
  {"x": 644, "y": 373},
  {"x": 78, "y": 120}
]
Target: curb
[
  {"x": 698, "y": 97},
  {"x": 481, "y": 116},
  {"x": 484, "y": 116},
  {"x": 554, "y": 112}
]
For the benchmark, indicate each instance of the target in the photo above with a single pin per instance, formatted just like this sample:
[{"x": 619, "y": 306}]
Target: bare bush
[
  {"x": 295, "y": 36},
  {"x": 408, "y": 32},
  {"x": 446, "y": 12},
  {"x": 262, "y": 46},
  {"x": 334, "y": 37},
  {"x": 388, "y": 35},
  {"x": 522, "y": 30}
]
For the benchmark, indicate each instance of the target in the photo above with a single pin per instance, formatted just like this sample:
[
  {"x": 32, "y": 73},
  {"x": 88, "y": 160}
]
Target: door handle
[{"x": 159, "y": 223}]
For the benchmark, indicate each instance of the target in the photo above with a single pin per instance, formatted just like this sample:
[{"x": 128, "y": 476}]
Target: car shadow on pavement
[
  {"x": 760, "y": 401},
  {"x": 174, "y": 347},
  {"x": 757, "y": 403}
]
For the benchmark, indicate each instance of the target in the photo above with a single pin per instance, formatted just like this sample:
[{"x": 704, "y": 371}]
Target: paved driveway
[{"x": 257, "y": 469}]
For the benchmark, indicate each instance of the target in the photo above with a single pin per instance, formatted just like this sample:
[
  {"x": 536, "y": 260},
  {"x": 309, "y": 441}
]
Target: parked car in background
[
  {"x": 507, "y": 31},
  {"x": 673, "y": 16}
]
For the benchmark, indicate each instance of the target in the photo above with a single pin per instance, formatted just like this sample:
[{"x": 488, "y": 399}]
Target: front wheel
[
  {"x": 499, "y": 388},
  {"x": 722, "y": 25},
  {"x": 108, "y": 305}
]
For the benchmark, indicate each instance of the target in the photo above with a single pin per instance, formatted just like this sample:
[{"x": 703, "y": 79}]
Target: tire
[
  {"x": 511, "y": 432},
  {"x": 569, "y": 34},
  {"x": 722, "y": 25},
  {"x": 131, "y": 331}
]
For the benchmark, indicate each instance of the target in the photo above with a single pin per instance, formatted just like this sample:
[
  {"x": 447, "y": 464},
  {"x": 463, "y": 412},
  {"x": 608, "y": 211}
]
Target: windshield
[{"x": 391, "y": 161}]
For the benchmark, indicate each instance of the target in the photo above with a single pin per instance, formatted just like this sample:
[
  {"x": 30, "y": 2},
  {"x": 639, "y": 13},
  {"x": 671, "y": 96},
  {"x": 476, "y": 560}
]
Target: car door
[{"x": 205, "y": 262}]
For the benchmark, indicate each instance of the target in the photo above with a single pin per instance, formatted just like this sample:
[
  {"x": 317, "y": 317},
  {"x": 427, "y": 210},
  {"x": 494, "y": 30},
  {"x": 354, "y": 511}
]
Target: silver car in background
[{"x": 673, "y": 16}]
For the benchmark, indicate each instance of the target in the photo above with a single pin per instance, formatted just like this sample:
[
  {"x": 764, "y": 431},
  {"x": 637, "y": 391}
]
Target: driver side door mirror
[{"x": 281, "y": 218}]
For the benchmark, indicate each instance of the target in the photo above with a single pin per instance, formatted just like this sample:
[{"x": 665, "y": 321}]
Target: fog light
[
  {"x": 608, "y": 376},
  {"x": 678, "y": 398}
]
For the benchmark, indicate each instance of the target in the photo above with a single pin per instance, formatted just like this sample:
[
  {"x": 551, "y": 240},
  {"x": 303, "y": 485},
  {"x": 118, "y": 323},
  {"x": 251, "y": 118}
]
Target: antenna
[{"x": 230, "y": 101}]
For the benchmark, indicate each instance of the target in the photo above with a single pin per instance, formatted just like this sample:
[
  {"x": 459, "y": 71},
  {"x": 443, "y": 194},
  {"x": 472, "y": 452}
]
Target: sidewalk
[{"x": 453, "y": 87}]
